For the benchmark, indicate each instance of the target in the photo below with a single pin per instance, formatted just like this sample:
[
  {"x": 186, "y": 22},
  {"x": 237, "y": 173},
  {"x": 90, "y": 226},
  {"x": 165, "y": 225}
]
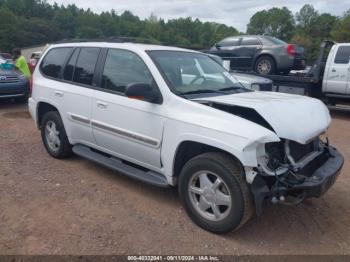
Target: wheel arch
[
  {"x": 189, "y": 149},
  {"x": 42, "y": 108}
]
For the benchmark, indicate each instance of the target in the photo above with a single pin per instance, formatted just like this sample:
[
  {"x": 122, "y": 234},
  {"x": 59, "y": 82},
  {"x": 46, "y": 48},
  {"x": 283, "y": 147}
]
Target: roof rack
[{"x": 119, "y": 39}]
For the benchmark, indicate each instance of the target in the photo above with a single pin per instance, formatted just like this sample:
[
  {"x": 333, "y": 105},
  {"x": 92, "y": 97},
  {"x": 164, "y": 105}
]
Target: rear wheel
[
  {"x": 214, "y": 192},
  {"x": 265, "y": 65},
  {"x": 54, "y": 136}
]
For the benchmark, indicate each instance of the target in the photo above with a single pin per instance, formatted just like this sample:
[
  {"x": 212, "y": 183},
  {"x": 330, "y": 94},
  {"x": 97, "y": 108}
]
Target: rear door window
[
  {"x": 229, "y": 42},
  {"x": 250, "y": 41},
  {"x": 343, "y": 55},
  {"x": 53, "y": 62},
  {"x": 85, "y": 66}
]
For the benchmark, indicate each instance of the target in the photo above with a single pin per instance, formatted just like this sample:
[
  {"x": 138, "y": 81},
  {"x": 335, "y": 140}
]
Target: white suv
[{"x": 174, "y": 117}]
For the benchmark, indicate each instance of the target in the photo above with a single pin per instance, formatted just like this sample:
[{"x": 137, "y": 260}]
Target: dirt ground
[{"x": 49, "y": 206}]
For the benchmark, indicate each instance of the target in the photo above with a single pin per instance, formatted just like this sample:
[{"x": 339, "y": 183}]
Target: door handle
[
  {"x": 333, "y": 70},
  {"x": 102, "y": 105},
  {"x": 58, "y": 93}
]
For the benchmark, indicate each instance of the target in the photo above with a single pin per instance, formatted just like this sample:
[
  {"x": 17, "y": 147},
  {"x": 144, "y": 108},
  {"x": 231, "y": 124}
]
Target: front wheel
[
  {"x": 265, "y": 65},
  {"x": 214, "y": 192}
]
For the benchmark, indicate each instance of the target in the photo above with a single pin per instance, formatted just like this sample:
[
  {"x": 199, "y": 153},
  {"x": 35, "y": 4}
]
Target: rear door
[
  {"x": 72, "y": 96},
  {"x": 250, "y": 46},
  {"x": 338, "y": 71}
]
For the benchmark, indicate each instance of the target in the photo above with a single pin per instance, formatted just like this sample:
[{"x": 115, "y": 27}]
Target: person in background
[
  {"x": 32, "y": 63},
  {"x": 21, "y": 63}
]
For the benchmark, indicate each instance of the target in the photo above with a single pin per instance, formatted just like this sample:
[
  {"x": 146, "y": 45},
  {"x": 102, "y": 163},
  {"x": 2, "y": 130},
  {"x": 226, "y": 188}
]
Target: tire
[
  {"x": 56, "y": 148},
  {"x": 265, "y": 65},
  {"x": 232, "y": 187}
]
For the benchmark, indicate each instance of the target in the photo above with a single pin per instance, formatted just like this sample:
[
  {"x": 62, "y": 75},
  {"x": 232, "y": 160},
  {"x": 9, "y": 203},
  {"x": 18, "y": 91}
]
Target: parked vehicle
[
  {"x": 12, "y": 83},
  {"x": 265, "y": 55},
  {"x": 328, "y": 79},
  {"x": 174, "y": 117},
  {"x": 6, "y": 56},
  {"x": 257, "y": 83}
]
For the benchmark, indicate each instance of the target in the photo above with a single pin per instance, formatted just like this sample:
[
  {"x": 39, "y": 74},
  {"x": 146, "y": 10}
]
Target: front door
[
  {"x": 338, "y": 75},
  {"x": 128, "y": 128}
]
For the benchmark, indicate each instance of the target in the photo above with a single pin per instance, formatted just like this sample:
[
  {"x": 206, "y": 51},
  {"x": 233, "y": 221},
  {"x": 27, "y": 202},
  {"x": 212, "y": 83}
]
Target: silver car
[{"x": 265, "y": 55}]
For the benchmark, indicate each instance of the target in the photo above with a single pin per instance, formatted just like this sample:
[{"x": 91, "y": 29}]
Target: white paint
[
  {"x": 176, "y": 120},
  {"x": 337, "y": 76}
]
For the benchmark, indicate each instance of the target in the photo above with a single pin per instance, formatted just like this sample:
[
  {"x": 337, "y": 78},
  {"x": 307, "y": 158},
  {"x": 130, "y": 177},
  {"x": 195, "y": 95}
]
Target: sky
[{"x": 230, "y": 12}]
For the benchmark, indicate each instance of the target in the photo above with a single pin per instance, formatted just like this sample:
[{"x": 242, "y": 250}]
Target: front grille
[
  {"x": 265, "y": 87},
  {"x": 9, "y": 79},
  {"x": 276, "y": 150},
  {"x": 298, "y": 151}
]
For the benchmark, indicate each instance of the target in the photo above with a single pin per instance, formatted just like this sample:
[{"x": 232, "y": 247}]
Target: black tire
[
  {"x": 232, "y": 174},
  {"x": 269, "y": 63},
  {"x": 64, "y": 149}
]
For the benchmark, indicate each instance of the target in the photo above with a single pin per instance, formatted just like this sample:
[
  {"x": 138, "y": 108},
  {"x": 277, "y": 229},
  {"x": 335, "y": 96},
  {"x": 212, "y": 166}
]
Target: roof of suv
[{"x": 129, "y": 46}]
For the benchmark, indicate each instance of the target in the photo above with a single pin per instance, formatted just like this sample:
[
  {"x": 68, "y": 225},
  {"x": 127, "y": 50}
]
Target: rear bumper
[
  {"x": 32, "y": 109},
  {"x": 285, "y": 62},
  {"x": 299, "y": 63}
]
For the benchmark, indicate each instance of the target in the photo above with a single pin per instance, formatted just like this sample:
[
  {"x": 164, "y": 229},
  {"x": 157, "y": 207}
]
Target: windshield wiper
[
  {"x": 231, "y": 88},
  {"x": 200, "y": 91}
]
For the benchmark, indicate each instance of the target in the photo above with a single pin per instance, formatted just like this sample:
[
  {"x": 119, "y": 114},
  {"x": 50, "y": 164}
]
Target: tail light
[
  {"x": 30, "y": 83},
  {"x": 291, "y": 50}
]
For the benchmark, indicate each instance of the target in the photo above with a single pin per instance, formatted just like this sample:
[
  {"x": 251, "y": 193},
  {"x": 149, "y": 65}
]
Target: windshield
[{"x": 194, "y": 73}]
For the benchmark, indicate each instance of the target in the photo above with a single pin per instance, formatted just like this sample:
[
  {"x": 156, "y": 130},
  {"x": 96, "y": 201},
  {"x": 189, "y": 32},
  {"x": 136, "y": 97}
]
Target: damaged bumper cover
[
  {"x": 317, "y": 177},
  {"x": 324, "y": 177}
]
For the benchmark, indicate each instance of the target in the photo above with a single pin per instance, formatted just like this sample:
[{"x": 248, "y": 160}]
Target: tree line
[{"x": 32, "y": 22}]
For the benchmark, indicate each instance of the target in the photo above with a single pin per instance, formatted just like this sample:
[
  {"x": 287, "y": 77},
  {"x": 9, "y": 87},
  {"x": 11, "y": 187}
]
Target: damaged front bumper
[
  {"x": 324, "y": 177},
  {"x": 313, "y": 180}
]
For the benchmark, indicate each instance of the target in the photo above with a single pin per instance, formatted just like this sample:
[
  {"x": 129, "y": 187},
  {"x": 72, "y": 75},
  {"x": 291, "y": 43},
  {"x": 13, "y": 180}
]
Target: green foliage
[
  {"x": 341, "y": 29},
  {"x": 308, "y": 28},
  {"x": 311, "y": 29},
  {"x": 31, "y": 22},
  {"x": 277, "y": 22}
]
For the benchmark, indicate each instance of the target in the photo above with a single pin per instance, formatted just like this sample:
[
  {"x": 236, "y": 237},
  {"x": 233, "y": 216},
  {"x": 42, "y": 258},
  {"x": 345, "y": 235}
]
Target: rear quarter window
[
  {"x": 343, "y": 55},
  {"x": 53, "y": 62}
]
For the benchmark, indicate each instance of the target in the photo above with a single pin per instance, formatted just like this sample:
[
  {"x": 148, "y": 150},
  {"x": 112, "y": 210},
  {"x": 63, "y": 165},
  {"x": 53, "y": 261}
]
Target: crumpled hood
[{"x": 292, "y": 117}]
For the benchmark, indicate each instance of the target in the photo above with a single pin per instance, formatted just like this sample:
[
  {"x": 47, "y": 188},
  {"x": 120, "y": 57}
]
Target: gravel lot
[{"x": 48, "y": 206}]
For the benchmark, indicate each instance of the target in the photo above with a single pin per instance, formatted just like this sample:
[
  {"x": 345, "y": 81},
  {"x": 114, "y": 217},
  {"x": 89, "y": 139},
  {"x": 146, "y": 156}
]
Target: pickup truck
[
  {"x": 328, "y": 79},
  {"x": 175, "y": 117}
]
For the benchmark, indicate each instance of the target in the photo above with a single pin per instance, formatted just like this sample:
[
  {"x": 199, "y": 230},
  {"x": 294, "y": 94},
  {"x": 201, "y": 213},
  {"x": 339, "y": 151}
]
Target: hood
[
  {"x": 9, "y": 72},
  {"x": 293, "y": 117}
]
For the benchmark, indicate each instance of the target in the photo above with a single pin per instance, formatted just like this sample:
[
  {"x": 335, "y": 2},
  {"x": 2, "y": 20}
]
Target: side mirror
[
  {"x": 217, "y": 46},
  {"x": 143, "y": 91}
]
